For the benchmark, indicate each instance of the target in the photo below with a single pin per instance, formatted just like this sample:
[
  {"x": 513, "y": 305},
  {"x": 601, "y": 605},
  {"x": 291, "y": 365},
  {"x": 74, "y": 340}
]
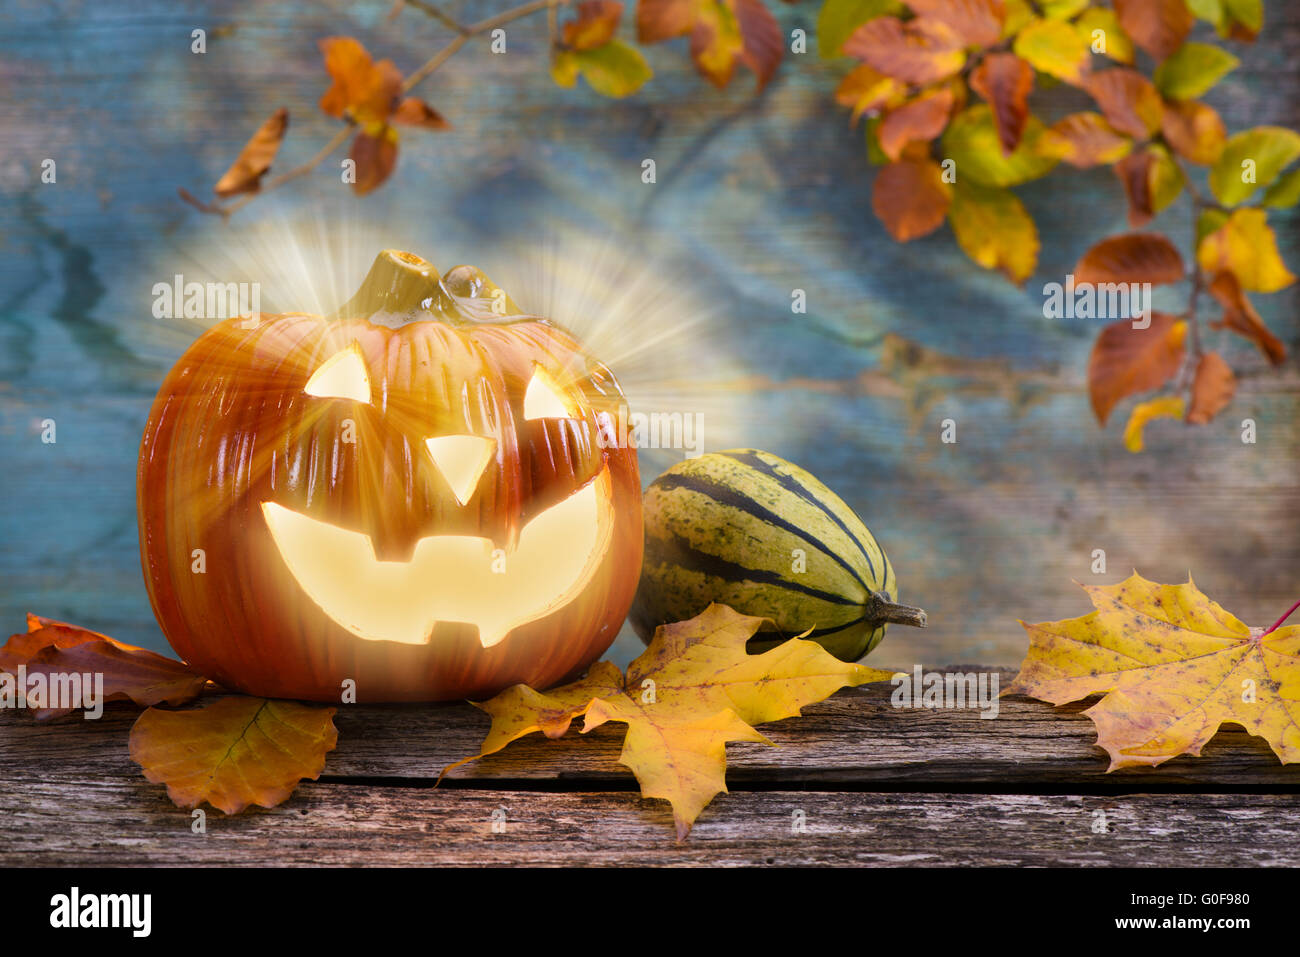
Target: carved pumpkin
[{"x": 412, "y": 494}]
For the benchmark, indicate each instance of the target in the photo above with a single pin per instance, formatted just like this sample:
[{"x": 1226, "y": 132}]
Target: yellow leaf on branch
[{"x": 1173, "y": 666}]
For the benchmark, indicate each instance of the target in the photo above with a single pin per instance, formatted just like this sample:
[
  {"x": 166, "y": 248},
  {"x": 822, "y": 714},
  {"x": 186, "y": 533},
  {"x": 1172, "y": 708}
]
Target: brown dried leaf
[
  {"x": 245, "y": 174},
  {"x": 1129, "y": 100},
  {"x": 919, "y": 51},
  {"x": 413, "y": 111},
  {"x": 1132, "y": 257},
  {"x": 54, "y": 649},
  {"x": 1084, "y": 140},
  {"x": 594, "y": 25},
  {"x": 375, "y": 157},
  {"x": 921, "y": 120},
  {"x": 1240, "y": 316},
  {"x": 977, "y": 22},
  {"x": 1212, "y": 389},
  {"x": 1194, "y": 130},
  {"x": 1157, "y": 26},
  {"x": 1126, "y": 361},
  {"x": 1005, "y": 81},
  {"x": 910, "y": 197}
]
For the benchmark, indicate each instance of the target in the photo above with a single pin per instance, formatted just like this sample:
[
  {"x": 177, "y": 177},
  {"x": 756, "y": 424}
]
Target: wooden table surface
[{"x": 853, "y": 782}]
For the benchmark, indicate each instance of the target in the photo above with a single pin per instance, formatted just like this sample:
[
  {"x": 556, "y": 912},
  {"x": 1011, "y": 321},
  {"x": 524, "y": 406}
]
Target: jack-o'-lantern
[{"x": 415, "y": 498}]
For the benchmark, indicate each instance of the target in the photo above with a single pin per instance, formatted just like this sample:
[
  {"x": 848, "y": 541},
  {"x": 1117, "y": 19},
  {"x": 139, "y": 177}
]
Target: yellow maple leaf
[
  {"x": 694, "y": 689},
  {"x": 1173, "y": 666}
]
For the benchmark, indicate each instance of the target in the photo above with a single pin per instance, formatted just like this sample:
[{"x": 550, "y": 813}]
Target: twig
[{"x": 463, "y": 35}]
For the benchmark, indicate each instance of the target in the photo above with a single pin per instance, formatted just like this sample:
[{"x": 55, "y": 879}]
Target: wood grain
[{"x": 876, "y": 784}]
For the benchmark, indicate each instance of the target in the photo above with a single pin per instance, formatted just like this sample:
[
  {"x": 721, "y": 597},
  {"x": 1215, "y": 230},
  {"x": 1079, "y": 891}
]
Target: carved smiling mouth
[{"x": 449, "y": 578}]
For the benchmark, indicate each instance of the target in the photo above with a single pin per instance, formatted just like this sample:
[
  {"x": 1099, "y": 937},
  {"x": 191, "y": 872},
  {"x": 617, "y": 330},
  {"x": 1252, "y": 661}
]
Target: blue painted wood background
[{"x": 688, "y": 287}]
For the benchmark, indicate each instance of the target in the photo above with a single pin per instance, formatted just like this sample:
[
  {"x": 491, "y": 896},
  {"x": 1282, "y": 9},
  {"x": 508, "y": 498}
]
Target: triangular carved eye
[
  {"x": 341, "y": 376},
  {"x": 544, "y": 399},
  {"x": 461, "y": 459}
]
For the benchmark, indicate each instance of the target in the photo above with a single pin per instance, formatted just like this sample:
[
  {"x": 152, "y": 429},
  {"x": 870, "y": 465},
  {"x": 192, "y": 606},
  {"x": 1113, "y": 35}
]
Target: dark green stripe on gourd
[{"x": 753, "y": 531}]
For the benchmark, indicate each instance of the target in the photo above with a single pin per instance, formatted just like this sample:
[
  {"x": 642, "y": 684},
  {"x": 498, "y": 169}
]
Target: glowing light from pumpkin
[
  {"x": 449, "y": 578},
  {"x": 461, "y": 459},
  {"x": 544, "y": 399},
  {"x": 341, "y": 376}
]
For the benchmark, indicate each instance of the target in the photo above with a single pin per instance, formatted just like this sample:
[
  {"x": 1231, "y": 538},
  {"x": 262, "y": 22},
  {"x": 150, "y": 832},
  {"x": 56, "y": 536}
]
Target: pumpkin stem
[
  {"x": 398, "y": 282},
  {"x": 888, "y": 611}
]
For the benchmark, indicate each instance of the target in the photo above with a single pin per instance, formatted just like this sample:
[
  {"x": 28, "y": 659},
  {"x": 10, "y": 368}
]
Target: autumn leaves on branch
[{"x": 945, "y": 88}]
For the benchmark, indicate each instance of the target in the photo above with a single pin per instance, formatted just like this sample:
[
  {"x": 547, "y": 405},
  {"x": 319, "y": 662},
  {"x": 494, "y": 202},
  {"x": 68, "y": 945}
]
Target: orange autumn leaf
[
  {"x": 1129, "y": 101},
  {"x": 594, "y": 24},
  {"x": 413, "y": 111},
  {"x": 722, "y": 33},
  {"x": 693, "y": 690},
  {"x": 867, "y": 90},
  {"x": 910, "y": 197},
  {"x": 977, "y": 22},
  {"x": 1193, "y": 130},
  {"x": 919, "y": 120},
  {"x": 1084, "y": 140},
  {"x": 1212, "y": 389},
  {"x": 1172, "y": 666},
  {"x": 1240, "y": 316},
  {"x": 1151, "y": 182},
  {"x": 1126, "y": 361},
  {"x": 245, "y": 174},
  {"x": 918, "y": 51},
  {"x": 1157, "y": 26},
  {"x": 233, "y": 752},
  {"x": 1005, "y": 81},
  {"x": 362, "y": 89},
  {"x": 56, "y": 650},
  {"x": 1132, "y": 257},
  {"x": 375, "y": 157}
]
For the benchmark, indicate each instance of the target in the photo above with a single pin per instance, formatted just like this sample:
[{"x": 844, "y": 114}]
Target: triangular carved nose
[{"x": 461, "y": 459}]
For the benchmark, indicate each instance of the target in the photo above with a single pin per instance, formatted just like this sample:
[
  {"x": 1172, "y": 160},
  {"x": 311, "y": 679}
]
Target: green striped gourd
[{"x": 753, "y": 531}]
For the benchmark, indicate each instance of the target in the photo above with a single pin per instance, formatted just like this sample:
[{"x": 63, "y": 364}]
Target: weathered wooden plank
[
  {"x": 119, "y": 823},
  {"x": 855, "y": 739}
]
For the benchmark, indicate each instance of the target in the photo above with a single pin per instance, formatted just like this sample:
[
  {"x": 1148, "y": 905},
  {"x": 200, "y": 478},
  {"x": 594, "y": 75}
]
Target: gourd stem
[
  {"x": 888, "y": 611},
  {"x": 398, "y": 282}
]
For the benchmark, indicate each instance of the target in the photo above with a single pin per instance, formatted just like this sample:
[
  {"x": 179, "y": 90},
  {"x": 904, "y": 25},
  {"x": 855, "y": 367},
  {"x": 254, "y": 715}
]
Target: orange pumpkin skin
[{"x": 232, "y": 428}]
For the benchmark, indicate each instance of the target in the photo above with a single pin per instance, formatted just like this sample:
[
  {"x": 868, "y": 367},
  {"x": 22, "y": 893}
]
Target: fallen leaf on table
[
  {"x": 1172, "y": 666},
  {"x": 693, "y": 690},
  {"x": 53, "y": 649},
  {"x": 234, "y": 751}
]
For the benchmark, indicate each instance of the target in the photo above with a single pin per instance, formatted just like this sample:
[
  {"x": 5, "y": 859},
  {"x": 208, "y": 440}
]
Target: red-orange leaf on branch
[
  {"x": 1133, "y": 257},
  {"x": 918, "y": 51},
  {"x": 1212, "y": 389},
  {"x": 910, "y": 197},
  {"x": 1240, "y": 316},
  {"x": 1005, "y": 81},
  {"x": 1126, "y": 361},
  {"x": 369, "y": 94},
  {"x": 1157, "y": 26},
  {"x": 594, "y": 24},
  {"x": 722, "y": 34}
]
